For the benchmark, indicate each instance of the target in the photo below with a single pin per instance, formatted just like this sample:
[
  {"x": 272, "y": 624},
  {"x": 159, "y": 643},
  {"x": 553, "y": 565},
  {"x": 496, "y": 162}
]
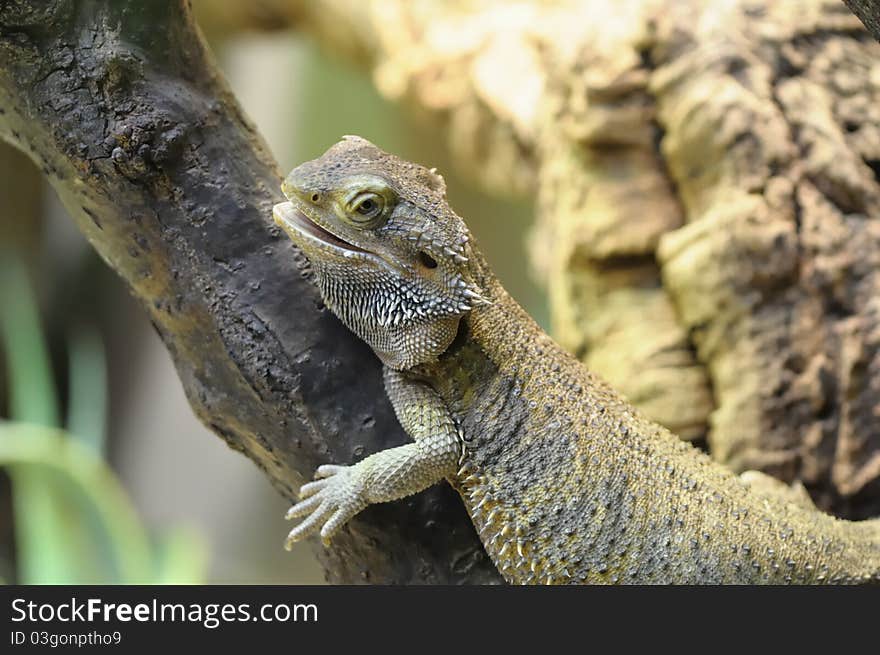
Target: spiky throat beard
[{"x": 404, "y": 324}]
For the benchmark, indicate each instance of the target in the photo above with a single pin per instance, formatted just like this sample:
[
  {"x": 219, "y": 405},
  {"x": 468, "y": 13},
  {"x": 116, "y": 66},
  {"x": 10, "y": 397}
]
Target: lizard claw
[
  {"x": 326, "y": 470},
  {"x": 327, "y": 503}
]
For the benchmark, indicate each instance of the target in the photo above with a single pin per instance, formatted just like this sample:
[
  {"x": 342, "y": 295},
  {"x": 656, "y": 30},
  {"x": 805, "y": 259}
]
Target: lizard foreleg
[{"x": 340, "y": 492}]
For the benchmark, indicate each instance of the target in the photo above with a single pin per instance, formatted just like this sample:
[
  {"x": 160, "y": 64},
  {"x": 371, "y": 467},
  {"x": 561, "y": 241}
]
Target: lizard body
[{"x": 565, "y": 481}]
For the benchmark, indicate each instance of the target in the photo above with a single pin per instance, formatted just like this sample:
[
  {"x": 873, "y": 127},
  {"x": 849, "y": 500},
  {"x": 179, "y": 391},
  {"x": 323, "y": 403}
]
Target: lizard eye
[{"x": 366, "y": 207}]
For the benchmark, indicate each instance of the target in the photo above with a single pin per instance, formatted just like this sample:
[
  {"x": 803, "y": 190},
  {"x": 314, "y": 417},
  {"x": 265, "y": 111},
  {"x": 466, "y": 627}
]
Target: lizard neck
[{"x": 504, "y": 333}]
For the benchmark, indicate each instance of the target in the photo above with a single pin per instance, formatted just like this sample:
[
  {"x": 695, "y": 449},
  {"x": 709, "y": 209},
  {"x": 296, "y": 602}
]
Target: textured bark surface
[
  {"x": 868, "y": 12},
  {"x": 20, "y": 193},
  {"x": 706, "y": 182},
  {"x": 122, "y": 109}
]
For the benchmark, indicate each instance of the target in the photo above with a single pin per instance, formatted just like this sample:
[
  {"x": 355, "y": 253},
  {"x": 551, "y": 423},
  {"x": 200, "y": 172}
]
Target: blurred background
[{"x": 105, "y": 474}]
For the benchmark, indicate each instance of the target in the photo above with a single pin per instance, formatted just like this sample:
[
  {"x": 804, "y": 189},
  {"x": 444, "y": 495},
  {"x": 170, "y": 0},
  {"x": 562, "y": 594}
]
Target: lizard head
[{"x": 390, "y": 257}]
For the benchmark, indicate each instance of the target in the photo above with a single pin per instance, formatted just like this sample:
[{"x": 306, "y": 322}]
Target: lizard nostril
[{"x": 315, "y": 197}]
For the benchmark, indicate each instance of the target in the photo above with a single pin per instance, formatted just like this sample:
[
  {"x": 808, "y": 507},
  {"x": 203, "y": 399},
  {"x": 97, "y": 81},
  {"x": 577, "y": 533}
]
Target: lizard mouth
[{"x": 298, "y": 224}]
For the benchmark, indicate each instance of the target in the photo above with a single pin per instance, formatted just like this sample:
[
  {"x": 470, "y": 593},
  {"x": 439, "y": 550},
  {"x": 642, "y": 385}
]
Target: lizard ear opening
[{"x": 426, "y": 260}]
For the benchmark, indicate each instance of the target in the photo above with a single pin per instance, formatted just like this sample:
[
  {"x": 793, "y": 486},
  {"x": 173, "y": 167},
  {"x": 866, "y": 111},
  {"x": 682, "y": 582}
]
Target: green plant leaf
[
  {"x": 181, "y": 557},
  {"x": 74, "y": 523},
  {"x": 43, "y": 555},
  {"x": 99, "y": 536},
  {"x": 87, "y": 399},
  {"x": 32, "y": 393}
]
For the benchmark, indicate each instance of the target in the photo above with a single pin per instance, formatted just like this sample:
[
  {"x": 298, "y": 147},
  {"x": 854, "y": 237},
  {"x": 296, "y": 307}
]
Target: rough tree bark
[
  {"x": 121, "y": 107},
  {"x": 868, "y": 12},
  {"x": 706, "y": 176}
]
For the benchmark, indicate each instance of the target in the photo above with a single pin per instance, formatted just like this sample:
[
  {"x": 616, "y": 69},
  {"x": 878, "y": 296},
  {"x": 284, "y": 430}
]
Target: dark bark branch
[
  {"x": 868, "y": 12},
  {"x": 121, "y": 107}
]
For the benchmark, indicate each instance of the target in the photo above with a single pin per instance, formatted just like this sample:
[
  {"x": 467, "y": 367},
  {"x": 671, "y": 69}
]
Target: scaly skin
[{"x": 565, "y": 481}]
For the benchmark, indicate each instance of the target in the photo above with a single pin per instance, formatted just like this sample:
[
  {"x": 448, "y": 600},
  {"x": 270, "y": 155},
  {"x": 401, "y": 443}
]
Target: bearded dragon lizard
[{"x": 565, "y": 481}]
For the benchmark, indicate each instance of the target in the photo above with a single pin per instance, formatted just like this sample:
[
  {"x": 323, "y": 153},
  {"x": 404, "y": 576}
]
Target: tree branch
[
  {"x": 868, "y": 12},
  {"x": 120, "y": 105}
]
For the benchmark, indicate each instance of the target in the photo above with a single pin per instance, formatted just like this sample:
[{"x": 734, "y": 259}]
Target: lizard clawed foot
[{"x": 333, "y": 498}]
